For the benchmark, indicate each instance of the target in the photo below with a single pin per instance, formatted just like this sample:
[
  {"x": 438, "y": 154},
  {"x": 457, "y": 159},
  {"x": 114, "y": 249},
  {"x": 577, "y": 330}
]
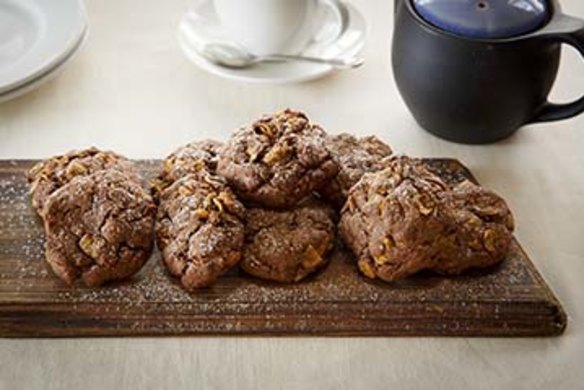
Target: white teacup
[{"x": 280, "y": 26}]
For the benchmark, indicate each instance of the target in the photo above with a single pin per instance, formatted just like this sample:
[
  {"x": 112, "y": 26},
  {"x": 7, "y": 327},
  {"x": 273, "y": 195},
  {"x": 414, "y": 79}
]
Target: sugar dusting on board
[{"x": 338, "y": 299}]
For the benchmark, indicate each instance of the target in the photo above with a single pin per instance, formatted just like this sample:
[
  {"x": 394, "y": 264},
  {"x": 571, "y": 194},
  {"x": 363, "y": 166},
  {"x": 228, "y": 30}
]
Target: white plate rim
[
  {"x": 46, "y": 76},
  {"x": 36, "y": 63}
]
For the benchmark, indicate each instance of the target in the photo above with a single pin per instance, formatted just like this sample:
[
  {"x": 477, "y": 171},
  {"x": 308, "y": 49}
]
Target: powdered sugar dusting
[{"x": 337, "y": 300}]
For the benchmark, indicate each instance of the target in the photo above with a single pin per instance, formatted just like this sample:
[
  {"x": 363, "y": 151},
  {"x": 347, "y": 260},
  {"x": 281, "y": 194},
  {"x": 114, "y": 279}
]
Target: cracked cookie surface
[
  {"x": 99, "y": 228},
  {"x": 277, "y": 161},
  {"x": 354, "y": 157},
  {"x": 48, "y": 176},
  {"x": 287, "y": 246},
  {"x": 199, "y": 229},
  {"x": 189, "y": 159},
  {"x": 404, "y": 219}
]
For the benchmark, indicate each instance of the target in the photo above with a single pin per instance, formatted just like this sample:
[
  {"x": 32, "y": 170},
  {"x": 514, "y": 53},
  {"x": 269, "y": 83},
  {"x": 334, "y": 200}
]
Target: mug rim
[{"x": 555, "y": 12}]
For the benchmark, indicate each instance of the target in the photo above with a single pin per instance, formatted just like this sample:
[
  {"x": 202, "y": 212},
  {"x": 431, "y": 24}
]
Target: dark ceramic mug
[{"x": 478, "y": 91}]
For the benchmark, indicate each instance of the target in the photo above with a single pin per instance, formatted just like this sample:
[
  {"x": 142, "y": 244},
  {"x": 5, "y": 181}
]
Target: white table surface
[{"x": 131, "y": 90}]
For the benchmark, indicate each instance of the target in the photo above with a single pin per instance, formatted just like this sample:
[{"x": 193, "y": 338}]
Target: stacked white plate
[{"x": 37, "y": 39}]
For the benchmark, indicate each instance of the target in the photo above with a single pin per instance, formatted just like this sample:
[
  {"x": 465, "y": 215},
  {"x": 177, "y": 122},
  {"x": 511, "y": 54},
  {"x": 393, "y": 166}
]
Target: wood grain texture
[{"x": 508, "y": 300}]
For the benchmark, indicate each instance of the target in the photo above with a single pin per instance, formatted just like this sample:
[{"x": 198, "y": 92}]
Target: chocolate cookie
[
  {"x": 355, "y": 157},
  {"x": 277, "y": 161},
  {"x": 404, "y": 219},
  {"x": 48, "y": 176},
  {"x": 485, "y": 225},
  {"x": 191, "y": 158},
  {"x": 287, "y": 246},
  {"x": 199, "y": 229},
  {"x": 99, "y": 228}
]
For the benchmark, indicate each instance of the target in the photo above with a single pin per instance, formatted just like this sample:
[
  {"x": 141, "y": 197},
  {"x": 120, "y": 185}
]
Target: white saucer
[
  {"x": 200, "y": 26},
  {"x": 36, "y": 36},
  {"x": 44, "y": 77}
]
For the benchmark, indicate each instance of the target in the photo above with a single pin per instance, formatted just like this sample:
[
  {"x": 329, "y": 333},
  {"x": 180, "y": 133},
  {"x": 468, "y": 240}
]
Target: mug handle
[
  {"x": 569, "y": 30},
  {"x": 341, "y": 12}
]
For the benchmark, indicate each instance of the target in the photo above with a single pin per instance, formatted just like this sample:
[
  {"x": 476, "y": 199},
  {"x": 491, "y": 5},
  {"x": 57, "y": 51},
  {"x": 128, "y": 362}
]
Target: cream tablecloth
[{"x": 131, "y": 90}]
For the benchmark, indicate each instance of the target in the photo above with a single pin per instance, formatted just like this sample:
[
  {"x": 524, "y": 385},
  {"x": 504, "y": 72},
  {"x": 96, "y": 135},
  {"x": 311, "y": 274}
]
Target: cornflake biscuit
[
  {"x": 98, "y": 228},
  {"x": 277, "y": 161},
  {"x": 404, "y": 219},
  {"x": 48, "y": 176},
  {"x": 189, "y": 159},
  {"x": 355, "y": 157},
  {"x": 199, "y": 229},
  {"x": 286, "y": 246}
]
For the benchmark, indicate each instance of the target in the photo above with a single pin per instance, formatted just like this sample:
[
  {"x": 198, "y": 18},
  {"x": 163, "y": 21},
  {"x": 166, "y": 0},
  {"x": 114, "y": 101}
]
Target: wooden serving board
[{"x": 508, "y": 300}]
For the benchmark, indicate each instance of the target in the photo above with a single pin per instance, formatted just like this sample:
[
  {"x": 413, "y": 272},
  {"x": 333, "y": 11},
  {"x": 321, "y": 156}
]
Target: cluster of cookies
[
  {"x": 247, "y": 202},
  {"x": 269, "y": 200}
]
